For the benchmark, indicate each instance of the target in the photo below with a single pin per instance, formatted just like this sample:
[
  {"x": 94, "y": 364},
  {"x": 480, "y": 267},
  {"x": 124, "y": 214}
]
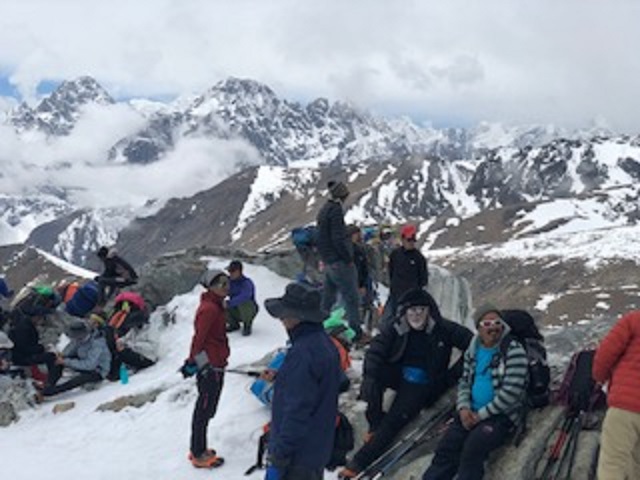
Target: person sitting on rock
[
  {"x": 86, "y": 355},
  {"x": 241, "y": 306},
  {"x": 491, "y": 395},
  {"x": 412, "y": 357},
  {"x": 117, "y": 274}
]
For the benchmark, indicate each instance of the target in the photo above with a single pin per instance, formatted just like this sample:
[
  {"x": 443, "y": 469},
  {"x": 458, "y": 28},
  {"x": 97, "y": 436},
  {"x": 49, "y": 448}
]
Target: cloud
[{"x": 546, "y": 61}]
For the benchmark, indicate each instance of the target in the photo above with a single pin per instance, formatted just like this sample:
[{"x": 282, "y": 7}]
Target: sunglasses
[
  {"x": 411, "y": 239},
  {"x": 490, "y": 323}
]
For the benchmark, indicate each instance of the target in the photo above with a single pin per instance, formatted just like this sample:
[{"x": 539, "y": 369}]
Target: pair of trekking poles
[
  {"x": 427, "y": 430},
  {"x": 562, "y": 453}
]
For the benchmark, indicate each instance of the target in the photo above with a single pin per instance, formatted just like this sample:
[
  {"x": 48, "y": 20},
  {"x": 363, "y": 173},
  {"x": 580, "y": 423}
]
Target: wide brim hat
[
  {"x": 77, "y": 329},
  {"x": 300, "y": 302}
]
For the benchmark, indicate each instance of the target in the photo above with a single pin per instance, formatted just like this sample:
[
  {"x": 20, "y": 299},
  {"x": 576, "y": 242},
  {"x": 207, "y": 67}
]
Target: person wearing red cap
[{"x": 407, "y": 271}]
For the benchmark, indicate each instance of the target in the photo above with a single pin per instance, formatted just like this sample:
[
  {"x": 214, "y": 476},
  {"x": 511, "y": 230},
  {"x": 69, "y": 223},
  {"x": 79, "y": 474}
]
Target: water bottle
[{"x": 124, "y": 374}]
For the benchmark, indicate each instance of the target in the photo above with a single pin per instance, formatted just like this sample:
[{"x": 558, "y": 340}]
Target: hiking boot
[
  {"x": 208, "y": 459},
  {"x": 232, "y": 328},
  {"x": 208, "y": 451},
  {"x": 347, "y": 472},
  {"x": 246, "y": 330}
]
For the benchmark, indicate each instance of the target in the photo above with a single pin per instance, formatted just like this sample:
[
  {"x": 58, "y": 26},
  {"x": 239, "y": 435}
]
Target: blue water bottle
[{"x": 124, "y": 374}]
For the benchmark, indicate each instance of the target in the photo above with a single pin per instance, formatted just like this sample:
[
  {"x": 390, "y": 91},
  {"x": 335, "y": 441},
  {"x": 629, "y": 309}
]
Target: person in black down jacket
[
  {"x": 305, "y": 401},
  {"x": 117, "y": 273},
  {"x": 411, "y": 356},
  {"x": 336, "y": 251},
  {"x": 407, "y": 270}
]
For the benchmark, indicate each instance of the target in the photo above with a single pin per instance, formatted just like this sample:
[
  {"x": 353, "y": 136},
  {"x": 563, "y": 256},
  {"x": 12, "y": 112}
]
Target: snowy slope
[{"x": 150, "y": 443}]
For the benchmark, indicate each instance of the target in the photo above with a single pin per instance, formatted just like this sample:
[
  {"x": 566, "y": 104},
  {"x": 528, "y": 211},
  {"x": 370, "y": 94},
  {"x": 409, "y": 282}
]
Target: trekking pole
[
  {"x": 556, "y": 449},
  {"x": 389, "y": 458},
  {"x": 574, "y": 448},
  {"x": 239, "y": 371}
]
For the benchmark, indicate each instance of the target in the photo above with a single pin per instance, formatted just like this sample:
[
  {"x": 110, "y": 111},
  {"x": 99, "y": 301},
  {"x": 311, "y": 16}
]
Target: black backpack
[
  {"x": 578, "y": 390},
  {"x": 524, "y": 330}
]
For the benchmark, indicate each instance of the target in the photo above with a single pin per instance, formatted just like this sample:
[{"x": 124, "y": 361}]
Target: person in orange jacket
[{"x": 616, "y": 361}]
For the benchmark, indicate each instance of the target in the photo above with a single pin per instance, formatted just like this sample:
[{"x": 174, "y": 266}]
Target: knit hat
[
  {"x": 234, "y": 265},
  {"x": 338, "y": 190},
  {"x": 78, "y": 329},
  {"x": 209, "y": 276},
  {"x": 483, "y": 310}
]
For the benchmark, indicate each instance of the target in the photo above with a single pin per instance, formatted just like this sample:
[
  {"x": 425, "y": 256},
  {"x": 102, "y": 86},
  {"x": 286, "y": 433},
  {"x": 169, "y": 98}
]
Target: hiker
[
  {"x": 27, "y": 349},
  {"x": 491, "y": 396},
  {"x": 207, "y": 357},
  {"x": 87, "y": 355},
  {"x": 125, "y": 334},
  {"x": 412, "y": 357},
  {"x": 117, "y": 273},
  {"x": 305, "y": 401},
  {"x": 241, "y": 306},
  {"x": 361, "y": 259},
  {"x": 616, "y": 362},
  {"x": 336, "y": 251},
  {"x": 5, "y": 294},
  {"x": 305, "y": 241},
  {"x": 407, "y": 270}
]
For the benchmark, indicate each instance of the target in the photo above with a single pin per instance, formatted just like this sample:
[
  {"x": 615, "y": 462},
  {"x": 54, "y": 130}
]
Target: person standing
[
  {"x": 407, "y": 271},
  {"x": 336, "y": 251},
  {"x": 241, "y": 306},
  {"x": 616, "y": 362},
  {"x": 305, "y": 401},
  {"x": 207, "y": 357}
]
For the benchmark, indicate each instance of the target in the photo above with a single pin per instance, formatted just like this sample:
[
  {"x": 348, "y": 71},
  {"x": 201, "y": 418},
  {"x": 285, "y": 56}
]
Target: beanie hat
[
  {"x": 414, "y": 298},
  {"x": 209, "y": 276},
  {"x": 483, "y": 310},
  {"x": 338, "y": 189},
  {"x": 408, "y": 231},
  {"x": 78, "y": 329}
]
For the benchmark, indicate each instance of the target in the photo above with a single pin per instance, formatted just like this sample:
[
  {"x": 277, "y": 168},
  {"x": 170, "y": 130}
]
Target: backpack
[
  {"x": 578, "y": 390},
  {"x": 263, "y": 388},
  {"x": 304, "y": 238},
  {"x": 129, "y": 312},
  {"x": 524, "y": 330},
  {"x": 84, "y": 300}
]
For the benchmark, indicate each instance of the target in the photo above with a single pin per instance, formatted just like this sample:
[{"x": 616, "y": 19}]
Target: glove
[
  {"x": 369, "y": 389},
  {"x": 273, "y": 473},
  {"x": 188, "y": 369}
]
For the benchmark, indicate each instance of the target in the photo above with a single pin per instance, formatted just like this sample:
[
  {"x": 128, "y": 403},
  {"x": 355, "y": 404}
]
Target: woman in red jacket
[
  {"x": 617, "y": 361},
  {"x": 208, "y": 355}
]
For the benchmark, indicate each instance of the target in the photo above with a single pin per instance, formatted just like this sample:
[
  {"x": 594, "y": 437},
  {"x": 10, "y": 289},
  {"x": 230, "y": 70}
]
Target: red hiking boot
[
  {"x": 346, "y": 473},
  {"x": 208, "y": 459}
]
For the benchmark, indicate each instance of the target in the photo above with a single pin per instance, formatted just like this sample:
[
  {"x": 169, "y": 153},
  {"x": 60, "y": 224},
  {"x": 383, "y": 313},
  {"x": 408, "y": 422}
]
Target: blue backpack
[
  {"x": 263, "y": 389},
  {"x": 304, "y": 237},
  {"x": 84, "y": 300}
]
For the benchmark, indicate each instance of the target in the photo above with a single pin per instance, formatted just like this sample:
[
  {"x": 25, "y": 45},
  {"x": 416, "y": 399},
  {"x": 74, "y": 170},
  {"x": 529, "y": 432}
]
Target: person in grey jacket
[
  {"x": 491, "y": 395},
  {"x": 87, "y": 355}
]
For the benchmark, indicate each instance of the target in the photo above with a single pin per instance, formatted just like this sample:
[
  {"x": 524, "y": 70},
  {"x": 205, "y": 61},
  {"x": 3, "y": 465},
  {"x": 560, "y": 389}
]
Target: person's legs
[
  {"x": 329, "y": 289},
  {"x": 247, "y": 311},
  {"x": 484, "y": 438},
  {"x": 134, "y": 359},
  {"x": 447, "y": 458},
  {"x": 409, "y": 400},
  {"x": 620, "y": 433},
  {"x": 233, "y": 319},
  {"x": 345, "y": 277},
  {"x": 296, "y": 472},
  {"x": 388, "y": 377},
  {"x": 389, "y": 312},
  {"x": 82, "y": 378},
  {"x": 47, "y": 358},
  {"x": 209, "y": 388}
]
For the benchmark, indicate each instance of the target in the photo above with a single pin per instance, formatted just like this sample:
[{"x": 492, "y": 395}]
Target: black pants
[
  {"x": 464, "y": 451},
  {"x": 295, "y": 472},
  {"x": 130, "y": 358},
  {"x": 48, "y": 358},
  {"x": 209, "y": 388},
  {"x": 410, "y": 399},
  {"x": 82, "y": 378},
  {"x": 110, "y": 285}
]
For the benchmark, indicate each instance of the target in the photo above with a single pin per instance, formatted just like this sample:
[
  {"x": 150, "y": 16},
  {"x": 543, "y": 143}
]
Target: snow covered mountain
[{"x": 58, "y": 112}]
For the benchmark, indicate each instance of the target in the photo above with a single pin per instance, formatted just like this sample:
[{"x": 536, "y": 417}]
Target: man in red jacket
[
  {"x": 616, "y": 361},
  {"x": 208, "y": 356}
]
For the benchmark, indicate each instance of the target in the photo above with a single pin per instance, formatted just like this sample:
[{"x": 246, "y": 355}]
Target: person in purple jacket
[{"x": 241, "y": 305}]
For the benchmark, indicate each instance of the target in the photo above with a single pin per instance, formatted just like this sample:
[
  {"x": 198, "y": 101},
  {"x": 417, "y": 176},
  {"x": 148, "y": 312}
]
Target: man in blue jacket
[
  {"x": 305, "y": 401},
  {"x": 241, "y": 306}
]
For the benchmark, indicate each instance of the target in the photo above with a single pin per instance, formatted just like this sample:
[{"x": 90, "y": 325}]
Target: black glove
[
  {"x": 369, "y": 389},
  {"x": 188, "y": 369}
]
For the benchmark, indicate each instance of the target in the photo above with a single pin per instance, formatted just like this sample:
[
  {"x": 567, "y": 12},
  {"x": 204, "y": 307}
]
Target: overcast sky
[{"x": 451, "y": 62}]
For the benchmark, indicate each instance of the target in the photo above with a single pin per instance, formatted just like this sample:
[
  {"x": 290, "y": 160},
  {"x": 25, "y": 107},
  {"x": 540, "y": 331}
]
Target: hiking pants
[
  {"x": 210, "y": 385},
  {"x": 294, "y": 472},
  {"x": 389, "y": 312},
  {"x": 242, "y": 315},
  {"x": 409, "y": 400},
  {"x": 465, "y": 451},
  {"x": 341, "y": 277},
  {"x": 620, "y": 446},
  {"x": 83, "y": 377},
  {"x": 130, "y": 358},
  {"x": 47, "y": 358}
]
